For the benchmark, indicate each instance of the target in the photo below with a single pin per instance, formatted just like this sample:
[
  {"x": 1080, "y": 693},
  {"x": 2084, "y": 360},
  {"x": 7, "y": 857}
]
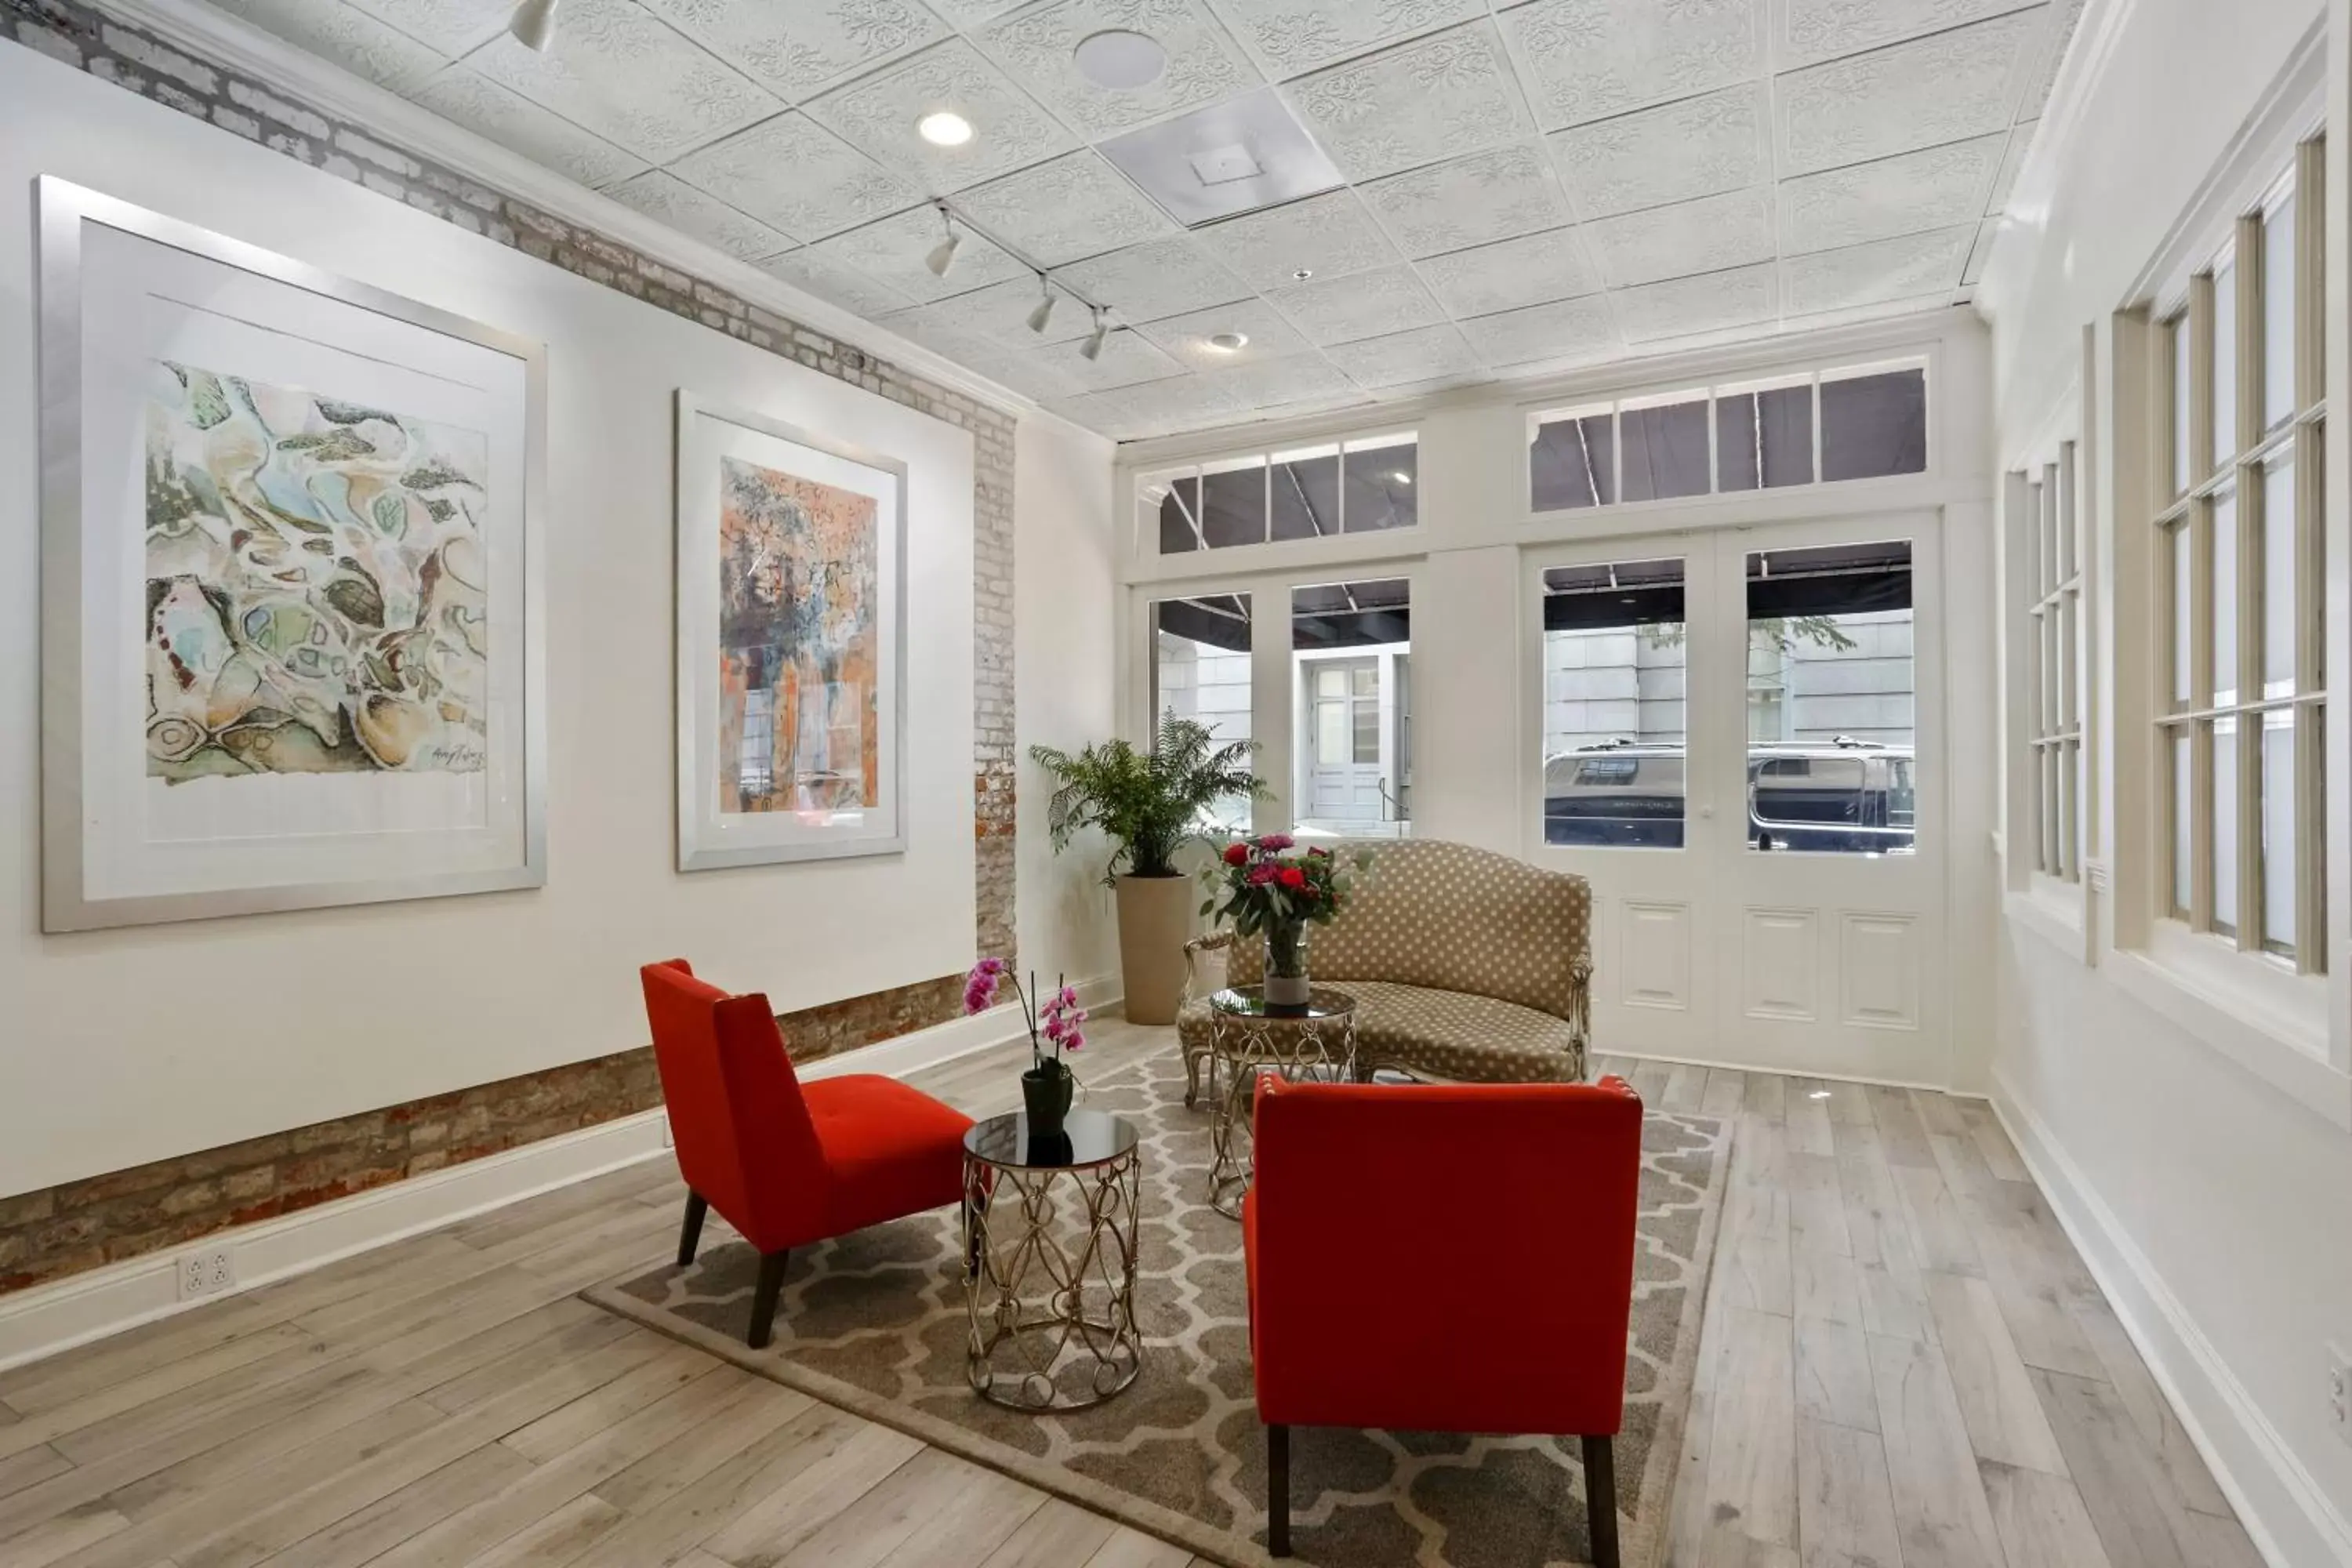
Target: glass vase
[{"x": 1286, "y": 985}]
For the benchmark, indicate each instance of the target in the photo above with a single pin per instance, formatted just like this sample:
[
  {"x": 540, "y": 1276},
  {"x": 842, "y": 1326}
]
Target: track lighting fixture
[
  {"x": 533, "y": 23},
  {"x": 1042, "y": 314},
  {"x": 943, "y": 254},
  {"x": 1093, "y": 347}
]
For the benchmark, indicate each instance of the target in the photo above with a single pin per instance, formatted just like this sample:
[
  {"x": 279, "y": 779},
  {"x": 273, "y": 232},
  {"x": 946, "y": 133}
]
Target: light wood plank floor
[{"x": 1904, "y": 1362}]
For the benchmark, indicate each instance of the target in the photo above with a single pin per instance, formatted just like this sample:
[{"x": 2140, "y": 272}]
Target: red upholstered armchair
[
  {"x": 1443, "y": 1258},
  {"x": 786, "y": 1163}
]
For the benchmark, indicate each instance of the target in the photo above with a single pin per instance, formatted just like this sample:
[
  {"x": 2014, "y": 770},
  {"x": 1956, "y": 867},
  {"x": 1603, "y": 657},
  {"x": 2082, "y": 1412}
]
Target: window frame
[
  {"x": 2050, "y": 603},
  {"x": 2235, "y": 464}
]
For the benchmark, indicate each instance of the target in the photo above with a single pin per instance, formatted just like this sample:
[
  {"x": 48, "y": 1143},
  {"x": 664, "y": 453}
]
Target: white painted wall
[
  {"x": 1064, "y": 692},
  {"x": 128, "y": 1046},
  {"x": 2212, "y": 1202}
]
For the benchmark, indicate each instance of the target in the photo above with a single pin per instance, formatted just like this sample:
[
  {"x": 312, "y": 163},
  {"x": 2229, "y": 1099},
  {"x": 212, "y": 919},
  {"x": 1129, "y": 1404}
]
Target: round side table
[
  {"x": 1049, "y": 1240},
  {"x": 1246, "y": 1039}
]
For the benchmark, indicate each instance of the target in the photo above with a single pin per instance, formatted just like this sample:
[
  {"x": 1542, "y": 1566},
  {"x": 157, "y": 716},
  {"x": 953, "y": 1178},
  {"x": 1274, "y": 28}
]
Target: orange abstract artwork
[{"x": 799, "y": 600}]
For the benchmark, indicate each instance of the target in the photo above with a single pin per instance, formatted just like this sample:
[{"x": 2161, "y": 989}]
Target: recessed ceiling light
[
  {"x": 1302, "y": 274},
  {"x": 944, "y": 128},
  {"x": 1228, "y": 342},
  {"x": 1120, "y": 60}
]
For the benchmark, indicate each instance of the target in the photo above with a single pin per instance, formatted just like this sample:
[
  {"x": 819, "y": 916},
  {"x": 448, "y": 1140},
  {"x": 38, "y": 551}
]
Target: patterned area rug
[{"x": 875, "y": 1323}]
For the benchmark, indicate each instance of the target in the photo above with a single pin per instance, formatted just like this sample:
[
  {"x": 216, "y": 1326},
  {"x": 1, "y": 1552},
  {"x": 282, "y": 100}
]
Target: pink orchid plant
[{"x": 1057, "y": 1023}]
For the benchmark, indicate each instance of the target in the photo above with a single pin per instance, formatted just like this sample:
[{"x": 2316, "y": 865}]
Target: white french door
[{"x": 1738, "y": 744}]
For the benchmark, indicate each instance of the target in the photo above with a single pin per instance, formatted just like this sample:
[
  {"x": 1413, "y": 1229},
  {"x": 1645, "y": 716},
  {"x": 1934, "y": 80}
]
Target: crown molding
[{"x": 240, "y": 45}]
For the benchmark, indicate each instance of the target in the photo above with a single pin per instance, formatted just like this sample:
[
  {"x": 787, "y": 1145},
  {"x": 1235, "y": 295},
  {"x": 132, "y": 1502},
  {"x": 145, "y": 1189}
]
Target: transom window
[
  {"x": 2242, "y": 696},
  {"x": 1853, "y": 422},
  {"x": 1361, "y": 485}
]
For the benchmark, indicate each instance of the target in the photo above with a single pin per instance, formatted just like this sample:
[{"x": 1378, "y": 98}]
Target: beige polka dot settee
[{"x": 1466, "y": 965}]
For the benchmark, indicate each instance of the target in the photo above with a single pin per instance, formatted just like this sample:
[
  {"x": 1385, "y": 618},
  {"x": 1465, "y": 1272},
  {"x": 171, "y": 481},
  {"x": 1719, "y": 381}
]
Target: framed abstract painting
[
  {"x": 290, "y": 582},
  {"x": 791, "y": 643}
]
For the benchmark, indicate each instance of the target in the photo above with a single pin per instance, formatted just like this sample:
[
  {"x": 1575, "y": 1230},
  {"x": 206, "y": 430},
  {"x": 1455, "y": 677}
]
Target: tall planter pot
[{"x": 1155, "y": 918}]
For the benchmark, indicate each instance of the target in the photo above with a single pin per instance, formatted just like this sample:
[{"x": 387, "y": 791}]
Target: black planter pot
[{"x": 1045, "y": 1096}]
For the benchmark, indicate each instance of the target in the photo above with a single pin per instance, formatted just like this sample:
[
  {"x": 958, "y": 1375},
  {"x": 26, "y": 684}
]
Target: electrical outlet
[
  {"x": 206, "y": 1273},
  {"x": 2339, "y": 1390}
]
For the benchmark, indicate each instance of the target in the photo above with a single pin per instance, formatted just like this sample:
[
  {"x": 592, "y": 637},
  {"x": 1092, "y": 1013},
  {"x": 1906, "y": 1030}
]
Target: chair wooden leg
[
  {"x": 763, "y": 1298},
  {"x": 1601, "y": 1500},
  {"x": 689, "y": 1234},
  {"x": 1278, "y": 1492}
]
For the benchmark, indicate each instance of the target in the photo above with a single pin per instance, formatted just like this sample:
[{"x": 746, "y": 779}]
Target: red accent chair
[
  {"x": 1515, "y": 1203},
  {"x": 786, "y": 1163}
]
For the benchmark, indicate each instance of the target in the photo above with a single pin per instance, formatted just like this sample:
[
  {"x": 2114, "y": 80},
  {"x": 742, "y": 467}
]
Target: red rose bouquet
[{"x": 1271, "y": 888}]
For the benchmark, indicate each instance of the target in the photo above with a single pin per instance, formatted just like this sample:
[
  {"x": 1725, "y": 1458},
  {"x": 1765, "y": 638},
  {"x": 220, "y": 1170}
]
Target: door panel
[{"x": 1739, "y": 746}]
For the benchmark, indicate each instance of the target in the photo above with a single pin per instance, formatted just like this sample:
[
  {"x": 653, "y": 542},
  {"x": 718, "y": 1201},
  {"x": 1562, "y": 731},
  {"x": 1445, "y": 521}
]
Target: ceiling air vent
[{"x": 1236, "y": 156}]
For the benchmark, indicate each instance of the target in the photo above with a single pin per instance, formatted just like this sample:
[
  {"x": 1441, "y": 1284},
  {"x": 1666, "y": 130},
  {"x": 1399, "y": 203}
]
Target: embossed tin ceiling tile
[
  {"x": 1563, "y": 329},
  {"x": 2020, "y": 143},
  {"x": 2065, "y": 19},
  {"x": 1187, "y": 336},
  {"x": 1077, "y": 206},
  {"x": 1470, "y": 201},
  {"x": 1360, "y": 305},
  {"x": 1700, "y": 147},
  {"x": 1423, "y": 354},
  {"x": 1903, "y": 195},
  {"x": 660, "y": 195},
  {"x": 801, "y": 48},
  {"x": 1980, "y": 252},
  {"x": 1586, "y": 59},
  {"x": 794, "y": 173},
  {"x": 452, "y": 26},
  {"x": 1433, "y": 98},
  {"x": 345, "y": 36},
  {"x": 1158, "y": 278},
  {"x": 1127, "y": 359},
  {"x": 1705, "y": 235},
  {"x": 1152, "y": 407},
  {"x": 1329, "y": 236},
  {"x": 1297, "y": 379},
  {"x": 876, "y": 115},
  {"x": 1816, "y": 30},
  {"x": 850, "y": 289},
  {"x": 891, "y": 252},
  {"x": 463, "y": 97},
  {"x": 1000, "y": 313},
  {"x": 1738, "y": 296},
  {"x": 1528, "y": 270},
  {"x": 1920, "y": 94},
  {"x": 971, "y": 13},
  {"x": 1882, "y": 269},
  {"x": 1295, "y": 36},
  {"x": 1202, "y": 65},
  {"x": 615, "y": 70}
]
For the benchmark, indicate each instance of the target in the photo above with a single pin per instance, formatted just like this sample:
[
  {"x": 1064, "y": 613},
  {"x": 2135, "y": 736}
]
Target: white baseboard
[
  {"x": 2290, "y": 1518},
  {"x": 47, "y": 1319}
]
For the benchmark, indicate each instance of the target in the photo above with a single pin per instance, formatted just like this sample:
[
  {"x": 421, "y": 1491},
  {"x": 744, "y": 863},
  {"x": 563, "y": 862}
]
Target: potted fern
[{"x": 1150, "y": 804}]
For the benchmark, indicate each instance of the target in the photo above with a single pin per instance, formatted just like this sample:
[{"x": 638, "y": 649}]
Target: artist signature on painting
[{"x": 456, "y": 757}]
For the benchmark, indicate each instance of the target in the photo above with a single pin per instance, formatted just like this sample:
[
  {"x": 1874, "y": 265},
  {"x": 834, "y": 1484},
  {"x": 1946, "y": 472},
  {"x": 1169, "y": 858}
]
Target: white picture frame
[
  {"x": 804, "y": 687},
  {"x": 392, "y": 744}
]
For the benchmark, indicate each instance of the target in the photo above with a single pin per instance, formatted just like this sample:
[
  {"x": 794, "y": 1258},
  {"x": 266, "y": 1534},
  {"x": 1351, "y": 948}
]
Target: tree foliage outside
[{"x": 1150, "y": 804}]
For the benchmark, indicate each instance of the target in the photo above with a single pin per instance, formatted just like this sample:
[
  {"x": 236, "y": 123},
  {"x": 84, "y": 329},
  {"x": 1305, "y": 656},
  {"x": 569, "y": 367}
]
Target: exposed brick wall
[{"x": 61, "y": 1230}]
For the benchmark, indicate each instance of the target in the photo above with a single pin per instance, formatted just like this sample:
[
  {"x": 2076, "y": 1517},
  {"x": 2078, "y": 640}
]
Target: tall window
[
  {"x": 2050, "y": 535},
  {"x": 2244, "y": 698},
  {"x": 1201, "y": 670},
  {"x": 1351, "y": 647}
]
